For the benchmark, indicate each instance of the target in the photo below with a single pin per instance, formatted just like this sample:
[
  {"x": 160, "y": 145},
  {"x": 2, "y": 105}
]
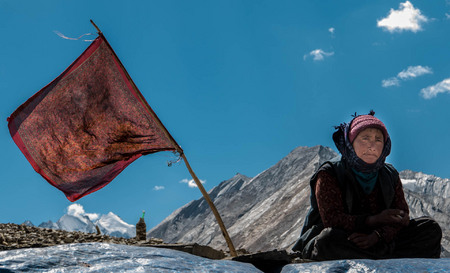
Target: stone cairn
[{"x": 141, "y": 229}]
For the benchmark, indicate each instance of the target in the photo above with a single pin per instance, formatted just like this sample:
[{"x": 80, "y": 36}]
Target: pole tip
[{"x": 96, "y": 27}]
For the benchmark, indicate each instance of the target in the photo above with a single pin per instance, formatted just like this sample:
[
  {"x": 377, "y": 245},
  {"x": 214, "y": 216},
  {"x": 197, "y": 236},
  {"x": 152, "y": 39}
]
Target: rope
[{"x": 74, "y": 39}]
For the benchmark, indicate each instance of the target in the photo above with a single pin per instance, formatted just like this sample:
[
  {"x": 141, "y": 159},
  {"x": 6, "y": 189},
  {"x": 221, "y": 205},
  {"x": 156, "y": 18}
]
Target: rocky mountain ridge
[
  {"x": 260, "y": 213},
  {"x": 267, "y": 211},
  {"x": 429, "y": 195}
]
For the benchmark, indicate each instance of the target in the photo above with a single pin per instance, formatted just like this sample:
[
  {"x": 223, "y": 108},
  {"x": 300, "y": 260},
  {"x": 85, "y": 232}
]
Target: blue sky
[{"x": 238, "y": 84}]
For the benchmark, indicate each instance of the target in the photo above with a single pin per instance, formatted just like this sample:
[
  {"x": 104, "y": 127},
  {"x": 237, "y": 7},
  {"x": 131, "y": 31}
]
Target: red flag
[{"x": 82, "y": 129}]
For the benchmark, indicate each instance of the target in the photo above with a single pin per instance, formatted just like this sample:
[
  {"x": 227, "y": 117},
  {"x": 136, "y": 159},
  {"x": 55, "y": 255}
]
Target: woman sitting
[{"x": 358, "y": 208}]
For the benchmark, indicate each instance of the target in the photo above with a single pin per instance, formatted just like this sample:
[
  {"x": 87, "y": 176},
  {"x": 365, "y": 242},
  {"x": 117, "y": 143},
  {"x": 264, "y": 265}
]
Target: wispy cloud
[
  {"x": 390, "y": 82},
  {"x": 318, "y": 55},
  {"x": 414, "y": 71},
  {"x": 158, "y": 188},
  {"x": 432, "y": 91},
  {"x": 405, "y": 18},
  {"x": 409, "y": 73},
  {"x": 332, "y": 30},
  {"x": 191, "y": 183}
]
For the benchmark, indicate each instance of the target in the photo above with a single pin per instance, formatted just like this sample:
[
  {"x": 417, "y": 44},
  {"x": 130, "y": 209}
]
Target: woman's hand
[
  {"x": 364, "y": 241},
  {"x": 388, "y": 217},
  {"x": 405, "y": 220}
]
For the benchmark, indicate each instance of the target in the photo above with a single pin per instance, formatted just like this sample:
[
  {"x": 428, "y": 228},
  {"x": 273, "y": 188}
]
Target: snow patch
[{"x": 409, "y": 184}]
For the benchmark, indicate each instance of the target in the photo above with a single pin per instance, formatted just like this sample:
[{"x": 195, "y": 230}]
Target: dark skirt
[{"x": 420, "y": 239}]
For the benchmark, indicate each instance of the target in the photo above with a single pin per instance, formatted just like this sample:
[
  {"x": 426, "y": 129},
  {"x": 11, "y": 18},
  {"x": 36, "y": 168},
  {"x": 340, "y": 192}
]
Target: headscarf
[{"x": 345, "y": 147}]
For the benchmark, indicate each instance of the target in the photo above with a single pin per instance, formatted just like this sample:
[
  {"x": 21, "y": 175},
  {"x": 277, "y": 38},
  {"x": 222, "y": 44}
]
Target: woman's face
[{"x": 369, "y": 144}]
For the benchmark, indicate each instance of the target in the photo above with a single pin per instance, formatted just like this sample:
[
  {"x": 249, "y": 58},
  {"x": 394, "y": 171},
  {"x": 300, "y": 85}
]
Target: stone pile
[{"x": 13, "y": 236}]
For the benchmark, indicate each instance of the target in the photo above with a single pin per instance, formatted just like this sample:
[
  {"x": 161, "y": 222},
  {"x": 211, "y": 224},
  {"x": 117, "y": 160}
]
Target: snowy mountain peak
[
  {"x": 28, "y": 223},
  {"x": 113, "y": 225},
  {"x": 75, "y": 223},
  {"x": 76, "y": 219},
  {"x": 49, "y": 224}
]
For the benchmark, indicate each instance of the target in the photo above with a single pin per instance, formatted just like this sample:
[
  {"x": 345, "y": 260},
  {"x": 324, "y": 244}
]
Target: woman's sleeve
[
  {"x": 399, "y": 198},
  {"x": 389, "y": 232},
  {"x": 331, "y": 208}
]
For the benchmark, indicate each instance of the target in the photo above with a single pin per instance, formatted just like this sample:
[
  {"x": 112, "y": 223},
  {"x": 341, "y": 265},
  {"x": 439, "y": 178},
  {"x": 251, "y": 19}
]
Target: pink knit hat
[{"x": 360, "y": 123}]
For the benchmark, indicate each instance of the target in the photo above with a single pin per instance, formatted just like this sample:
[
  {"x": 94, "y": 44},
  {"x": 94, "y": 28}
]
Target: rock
[
  {"x": 68, "y": 240},
  {"x": 155, "y": 241},
  {"x": 98, "y": 230},
  {"x": 268, "y": 261},
  {"x": 195, "y": 249}
]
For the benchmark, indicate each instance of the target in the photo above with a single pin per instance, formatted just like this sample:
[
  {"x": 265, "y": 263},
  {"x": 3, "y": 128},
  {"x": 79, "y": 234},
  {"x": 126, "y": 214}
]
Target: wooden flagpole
[
  {"x": 213, "y": 208},
  {"x": 180, "y": 151}
]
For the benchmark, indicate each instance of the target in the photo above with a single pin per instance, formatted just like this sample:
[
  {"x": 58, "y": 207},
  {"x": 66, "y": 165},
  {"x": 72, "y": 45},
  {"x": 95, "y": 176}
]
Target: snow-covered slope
[
  {"x": 75, "y": 223},
  {"x": 111, "y": 224}
]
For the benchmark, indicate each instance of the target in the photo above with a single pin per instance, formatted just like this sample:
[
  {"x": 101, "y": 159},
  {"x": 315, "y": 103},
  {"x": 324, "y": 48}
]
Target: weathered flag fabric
[{"x": 81, "y": 130}]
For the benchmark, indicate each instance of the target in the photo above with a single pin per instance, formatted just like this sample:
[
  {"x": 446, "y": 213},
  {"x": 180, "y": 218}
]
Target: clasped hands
[{"x": 394, "y": 217}]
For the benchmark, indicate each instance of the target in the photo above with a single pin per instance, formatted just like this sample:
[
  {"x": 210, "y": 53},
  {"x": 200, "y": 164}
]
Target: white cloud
[
  {"x": 447, "y": 15},
  {"x": 158, "y": 188},
  {"x": 191, "y": 183},
  {"x": 78, "y": 210},
  {"x": 405, "y": 18},
  {"x": 409, "y": 73},
  {"x": 75, "y": 209},
  {"x": 414, "y": 71},
  {"x": 331, "y": 30},
  {"x": 318, "y": 54},
  {"x": 92, "y": 216},
  {"x": 432, "y": 91},
  {"x": 390, "y": 82}
]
